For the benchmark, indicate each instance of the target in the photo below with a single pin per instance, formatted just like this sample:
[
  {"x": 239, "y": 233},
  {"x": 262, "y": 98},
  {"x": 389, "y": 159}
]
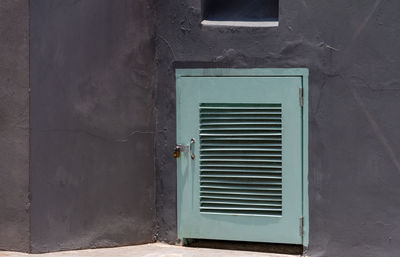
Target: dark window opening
[{"x": 241, "y": 10}]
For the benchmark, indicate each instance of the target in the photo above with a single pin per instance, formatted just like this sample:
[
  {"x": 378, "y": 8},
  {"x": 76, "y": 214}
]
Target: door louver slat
[
  {"x": 243, "y": 175},
  {"x": 241, "y": 159}
]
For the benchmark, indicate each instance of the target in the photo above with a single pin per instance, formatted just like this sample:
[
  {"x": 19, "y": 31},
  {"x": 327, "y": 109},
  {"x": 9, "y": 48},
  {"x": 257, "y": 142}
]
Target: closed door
[{"x": 240, "y": 167}]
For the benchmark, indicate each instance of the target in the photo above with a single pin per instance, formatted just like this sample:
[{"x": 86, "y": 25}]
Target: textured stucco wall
[
  {"x": 352, "y": 52},
  {"x": 92, "y": 123},
  {"x": 14, "y": 125}
]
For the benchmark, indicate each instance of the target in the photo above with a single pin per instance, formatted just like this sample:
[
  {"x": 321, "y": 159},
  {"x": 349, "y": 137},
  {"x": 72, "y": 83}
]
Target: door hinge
[
  {"x": 301, "y": 227},
  {"x": 301, "y": 97}
]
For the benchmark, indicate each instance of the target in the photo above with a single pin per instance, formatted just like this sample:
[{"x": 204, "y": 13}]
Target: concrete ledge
[{"x": 150, "y": 250}]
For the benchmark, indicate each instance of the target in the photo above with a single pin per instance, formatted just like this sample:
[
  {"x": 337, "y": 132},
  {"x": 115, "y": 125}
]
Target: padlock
[{"x": 177, "y": 152}]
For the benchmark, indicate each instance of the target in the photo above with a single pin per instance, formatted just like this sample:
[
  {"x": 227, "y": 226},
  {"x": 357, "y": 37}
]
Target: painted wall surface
[
  {"x": 14, "y": 125},
  {"x": 92, "y": 123},
  {"x": 351, "y": 49}
]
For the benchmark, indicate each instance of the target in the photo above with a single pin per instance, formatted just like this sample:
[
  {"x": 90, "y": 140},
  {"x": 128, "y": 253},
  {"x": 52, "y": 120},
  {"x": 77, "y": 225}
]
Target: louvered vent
[{"x": 241, "y": 159}]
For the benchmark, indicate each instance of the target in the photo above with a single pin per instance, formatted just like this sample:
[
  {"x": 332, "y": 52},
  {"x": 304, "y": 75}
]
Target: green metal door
[{"x": 240, "y": 167}]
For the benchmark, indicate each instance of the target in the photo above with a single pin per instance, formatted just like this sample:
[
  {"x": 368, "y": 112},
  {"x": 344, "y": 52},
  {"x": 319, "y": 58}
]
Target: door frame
[{"x": 263, "y": 72}]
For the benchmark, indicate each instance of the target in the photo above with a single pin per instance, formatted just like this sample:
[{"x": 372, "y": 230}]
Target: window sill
[{"x": 252, "y": 24}]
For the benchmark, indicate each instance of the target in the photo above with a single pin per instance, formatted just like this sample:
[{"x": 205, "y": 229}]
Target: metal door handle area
[{"x": 192, "y": 141}]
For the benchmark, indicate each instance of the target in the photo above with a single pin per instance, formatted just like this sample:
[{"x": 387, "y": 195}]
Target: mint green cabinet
[{"x": 242, "y": 167}]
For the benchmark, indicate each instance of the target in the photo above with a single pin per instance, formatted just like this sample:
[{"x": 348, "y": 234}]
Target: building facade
[{"x": 88, "y": 115}]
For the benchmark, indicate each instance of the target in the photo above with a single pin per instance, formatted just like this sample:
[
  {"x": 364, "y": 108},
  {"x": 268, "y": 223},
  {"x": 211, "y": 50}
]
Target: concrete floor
[{"x": 149, "y": 250}]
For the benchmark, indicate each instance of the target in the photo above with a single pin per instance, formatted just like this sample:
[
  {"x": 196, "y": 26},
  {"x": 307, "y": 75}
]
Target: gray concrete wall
[
  {"x": 92, "y": 123},
  {"x": 351, "y": 49},
  {"x": 14, "y": 125}
]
